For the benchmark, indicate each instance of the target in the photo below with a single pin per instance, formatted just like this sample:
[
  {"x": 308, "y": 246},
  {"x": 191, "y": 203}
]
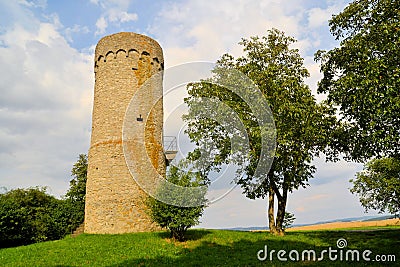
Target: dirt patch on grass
[{"x": 336, "y": 225}]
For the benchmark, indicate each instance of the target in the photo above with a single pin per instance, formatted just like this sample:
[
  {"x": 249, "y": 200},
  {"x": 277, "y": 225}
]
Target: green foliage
[
  {"x": 288, "y": 220},
  {"x": 378, "y": 185},
  {"x": 304, "y": 128},
  {"x": 177, "y": 219},
  {"x": 362, "y": 77},
  {"x": 30, "y": 216},
  {"x": 75, "y": 197},
  {"x": 77, "y": 189}
]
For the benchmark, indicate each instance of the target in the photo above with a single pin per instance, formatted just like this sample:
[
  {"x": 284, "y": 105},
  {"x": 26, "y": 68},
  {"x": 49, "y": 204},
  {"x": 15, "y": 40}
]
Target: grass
[{"x": 203, "y": 248}]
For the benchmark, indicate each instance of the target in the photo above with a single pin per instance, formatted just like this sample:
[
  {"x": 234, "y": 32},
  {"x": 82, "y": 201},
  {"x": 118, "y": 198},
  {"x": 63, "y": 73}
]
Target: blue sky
[{"x": 47, "y": 79}]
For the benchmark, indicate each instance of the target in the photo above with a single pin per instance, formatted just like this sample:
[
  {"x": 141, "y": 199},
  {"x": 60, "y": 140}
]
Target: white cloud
[
  {"x": 328, "y": 172},
  {"x": 96, "y": 2},
  {"x": 318, "y": 17},
  {"x": 75, "y": 29},
  {"x": 315, "y": 76},
  {"x": 327, "y": 198},
  {"x": 325, "y": 202},
  {"x": 106, "y": 4},
  {"x": 101, "y": 25},
  {"x": 122, "y": 16},
  {"x": 45, "y": 103},
  {"x": 235, "y": 210},
  {"x": 203, "y": 30},
  {"x": 37, "y": 3},
  {"x": 114, "y": 12},
  {"x": 317, "y": 197}
]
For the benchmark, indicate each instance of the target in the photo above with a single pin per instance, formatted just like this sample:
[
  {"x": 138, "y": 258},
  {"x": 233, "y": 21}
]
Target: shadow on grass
[
  {"x": 191, "y": 235},
  {"x": 13, "y": 244},
  {"x": 244, "y": 252}
]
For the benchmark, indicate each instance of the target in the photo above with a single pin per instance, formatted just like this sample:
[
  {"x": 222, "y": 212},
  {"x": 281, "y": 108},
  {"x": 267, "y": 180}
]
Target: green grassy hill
[{"x": 203, "y": 248}]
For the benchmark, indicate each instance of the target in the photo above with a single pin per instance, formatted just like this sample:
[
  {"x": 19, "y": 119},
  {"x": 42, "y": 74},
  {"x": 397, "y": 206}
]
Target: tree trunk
[
  {"x": 271, "y": 216},
  {"x": 280, "y": 216}
]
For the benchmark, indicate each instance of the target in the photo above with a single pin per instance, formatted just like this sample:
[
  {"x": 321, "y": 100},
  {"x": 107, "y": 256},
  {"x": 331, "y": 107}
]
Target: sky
[{"x": 47, "y": 81}]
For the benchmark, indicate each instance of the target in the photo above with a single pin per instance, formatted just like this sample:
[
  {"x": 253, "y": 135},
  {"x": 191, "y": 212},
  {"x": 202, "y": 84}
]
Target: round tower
[{"x": 115, "y": 203}]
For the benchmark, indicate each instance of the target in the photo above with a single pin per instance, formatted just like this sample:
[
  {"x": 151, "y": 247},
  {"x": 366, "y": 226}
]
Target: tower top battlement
[
  {"x": 129, "y": 45},
  {"x": 127, "y": 42}
]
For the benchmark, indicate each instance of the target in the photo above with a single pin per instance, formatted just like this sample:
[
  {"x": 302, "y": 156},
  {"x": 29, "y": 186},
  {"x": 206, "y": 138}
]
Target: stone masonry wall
[{"x": 115, "y": 203}]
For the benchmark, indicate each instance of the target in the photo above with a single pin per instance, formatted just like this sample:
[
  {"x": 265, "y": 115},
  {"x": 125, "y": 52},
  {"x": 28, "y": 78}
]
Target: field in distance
[{"x": 354, "y": 224}]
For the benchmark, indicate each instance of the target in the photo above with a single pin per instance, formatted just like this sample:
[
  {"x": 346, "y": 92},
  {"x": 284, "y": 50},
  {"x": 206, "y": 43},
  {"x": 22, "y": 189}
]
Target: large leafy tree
[
  {"x": 378, "y": 185},
  {"x": 302, "y": 125},
  {"x": 362, "y": 77}
]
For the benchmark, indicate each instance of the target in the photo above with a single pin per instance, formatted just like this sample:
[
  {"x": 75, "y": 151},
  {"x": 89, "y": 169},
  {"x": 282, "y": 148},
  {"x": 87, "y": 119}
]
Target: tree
[
  {"x": 29, "y": 216},
  {"x": 302, "y": 126},
  {"x": 76, "y": 193},
  {"x": 378, "y": 185},
  {"x": 77, "y": 186},
  {"x": 362, "y": 77},
  {"x": 177, "y": 219}
]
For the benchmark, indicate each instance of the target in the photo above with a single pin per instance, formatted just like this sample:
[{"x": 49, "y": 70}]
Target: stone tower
[{"x": 115, "y": 203}]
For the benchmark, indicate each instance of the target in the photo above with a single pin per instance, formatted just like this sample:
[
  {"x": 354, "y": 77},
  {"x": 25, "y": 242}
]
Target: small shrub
[
  {"x": 175, "y": 218},
  {"x": 288, "y": 220}
]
